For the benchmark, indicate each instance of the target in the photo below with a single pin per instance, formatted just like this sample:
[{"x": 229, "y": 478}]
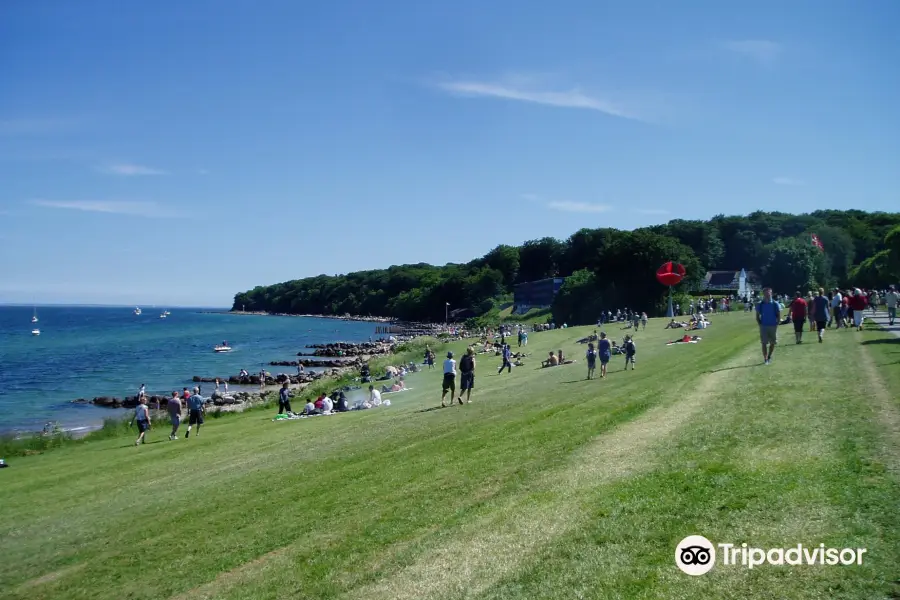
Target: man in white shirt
[
  {"x": 891, "y": 299},
  {"x": 449, "y": 382},
  {"x": 374, "y": 396},
  {"x": 836, "y": 308}
]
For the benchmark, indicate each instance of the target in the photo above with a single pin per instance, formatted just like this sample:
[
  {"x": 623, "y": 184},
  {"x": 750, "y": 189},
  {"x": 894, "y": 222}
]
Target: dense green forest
[{"x": 609, "y": 268}]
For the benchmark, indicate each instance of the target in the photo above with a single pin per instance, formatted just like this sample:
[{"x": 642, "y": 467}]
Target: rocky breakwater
[
  {"x": 347, "y": 349},
  {"x": 306, "y": 377},
  {"x": 308, "y": 362}
]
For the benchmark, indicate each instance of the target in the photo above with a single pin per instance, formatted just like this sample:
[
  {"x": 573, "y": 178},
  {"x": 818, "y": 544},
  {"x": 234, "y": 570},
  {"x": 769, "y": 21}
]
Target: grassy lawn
[{"x": 546, "y": 486}]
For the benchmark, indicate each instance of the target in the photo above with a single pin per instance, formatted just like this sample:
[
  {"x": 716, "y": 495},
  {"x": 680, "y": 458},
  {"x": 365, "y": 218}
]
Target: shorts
[
  {"x": 449, "y": 382},
  {"x": 604, "y": 358},
  {"x": 799, "y": 325},
  {"x": 143, "y": 426},
  {"x": 820, "y": 325},
  {"x": 196, "y": 417},
  {"x": 629, "y": 358},
  {"x": 176, "y": 420},
  {"x": 768, "y": 334},
  {"x": 467, "y": 381},
  {"x": 892, "y": 312}
]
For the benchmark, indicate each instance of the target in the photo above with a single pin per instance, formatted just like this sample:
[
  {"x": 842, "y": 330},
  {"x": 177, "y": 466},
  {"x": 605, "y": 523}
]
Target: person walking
[
  {"x": 604, "y": 349},
  {"x": 891, "y": 300},
  {"x": 284, "y": 399},
  {"x": 836, "y": 301},
  {"x": 174, "y": 409},
  {"x": 858, "y": 303},
  {"x": 591, "y": 356},
  {"x": 630, "y": 350},
  {"x": 142, "y": 416},
  {"x": 768, "y": 316},
  {"x": 798, "y": 310},
  {"x": 467, "y": 373},
  {"x": 820, "y": 310},
  {"x": 195, "y": 412},
  {"x": 507, "y": 354},
  {"x": 449, "y": 382}
]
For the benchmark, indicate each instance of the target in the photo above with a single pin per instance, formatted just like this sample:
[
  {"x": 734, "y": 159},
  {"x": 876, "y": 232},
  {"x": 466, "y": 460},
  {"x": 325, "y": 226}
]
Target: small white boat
[
  {"x": 162, "y": 315},
  {"x": 35, "y": 331},
  {"x": 137, "y": 310},
  {"x": 34, "y": 318},
  {"x": 167, "y": 313},
  {"x": 222, "y": 349}
]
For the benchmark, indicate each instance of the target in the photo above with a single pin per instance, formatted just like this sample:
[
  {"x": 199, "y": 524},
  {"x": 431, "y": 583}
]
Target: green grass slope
[{"x": 546, "y": 486}]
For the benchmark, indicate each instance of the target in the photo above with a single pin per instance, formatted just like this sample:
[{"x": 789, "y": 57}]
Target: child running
[
  {"x": 591, "y": 356},
  {"x": 605, "y": 351},
  {"x": 630, "y": 350}
]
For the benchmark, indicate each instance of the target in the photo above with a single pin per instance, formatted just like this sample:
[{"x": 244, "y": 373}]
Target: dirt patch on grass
[
  {"x": 50, "y": 577},
  {"x": 488, "y": 549},
  {"x": 885, "y": 408}
]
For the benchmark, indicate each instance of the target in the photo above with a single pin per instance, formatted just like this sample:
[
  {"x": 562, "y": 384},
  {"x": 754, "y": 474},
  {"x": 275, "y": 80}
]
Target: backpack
[
  {"x": 465, "y": 364},
  {"x": 629, "y": 347}
]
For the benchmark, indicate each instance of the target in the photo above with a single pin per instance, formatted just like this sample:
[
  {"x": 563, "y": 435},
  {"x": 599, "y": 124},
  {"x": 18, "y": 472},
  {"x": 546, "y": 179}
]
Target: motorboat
[
  {"x": 34, "y": 318},
  {"x": 162, "y": 315},
  {"x": 137, "y": 310},
  {"x": 167, "y": 313},
  {"x": 35, "y": 331},
  {"x": 222, "y": 348}
]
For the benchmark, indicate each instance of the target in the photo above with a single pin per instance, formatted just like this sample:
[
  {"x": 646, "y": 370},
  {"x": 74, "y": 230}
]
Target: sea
[{"x": 86, "y": 352}]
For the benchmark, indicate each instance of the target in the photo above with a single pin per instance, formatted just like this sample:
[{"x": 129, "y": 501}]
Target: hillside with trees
[{"x": 608, "y": 268}]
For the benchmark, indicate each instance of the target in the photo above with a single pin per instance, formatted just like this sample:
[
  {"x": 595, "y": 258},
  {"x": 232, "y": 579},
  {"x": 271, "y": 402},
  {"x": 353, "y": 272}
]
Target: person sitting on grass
[
  {"x": 614, "y": 349},
  {"x": 552, "y": 361},
  {"x": 309, "y": 409},
  {"x": 563, "y": 360}
]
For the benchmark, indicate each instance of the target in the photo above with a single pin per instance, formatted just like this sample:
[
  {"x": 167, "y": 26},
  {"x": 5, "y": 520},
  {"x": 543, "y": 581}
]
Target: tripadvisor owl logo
[{"x": 695, "y": 555}]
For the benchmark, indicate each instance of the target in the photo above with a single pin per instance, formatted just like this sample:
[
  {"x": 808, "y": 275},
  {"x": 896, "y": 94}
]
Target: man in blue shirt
[
  {"x": 195, "y": 404},
  {"x": 768, "y": 316},
  {"x": 821, "y": 311}
]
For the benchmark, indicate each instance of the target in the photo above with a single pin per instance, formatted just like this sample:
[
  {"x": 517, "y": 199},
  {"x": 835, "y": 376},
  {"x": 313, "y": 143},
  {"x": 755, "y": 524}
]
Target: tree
[
  {"x": 578, "y": 301},
  {"x": 539, "y": 259},
  {"x": 792, "y": 265},
  {"x": 504, "y": 259}
]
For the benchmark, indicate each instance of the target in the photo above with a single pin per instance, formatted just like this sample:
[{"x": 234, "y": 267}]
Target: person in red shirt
[
  {"x": 799, "y": 310},
  {"x": 858, "y": 302}
]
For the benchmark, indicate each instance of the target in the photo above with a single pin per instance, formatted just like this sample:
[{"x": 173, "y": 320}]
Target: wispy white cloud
[
  {"x": 524, "y": 89},
  {"x": 580, "y": 207},
  {"x": 566, "y": 205},
  {"x": 129, "y": 170},
  {"x": 26, "y": 126},
  {"x": 651, "y": 211},
  {"x": 136, "y": 209},
  {"x": 763, "y": 51},
  {"x": 787, "y": 181}
]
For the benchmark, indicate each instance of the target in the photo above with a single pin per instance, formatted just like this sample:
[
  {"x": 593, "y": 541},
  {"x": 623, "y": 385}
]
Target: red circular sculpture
[{"x": 670, "y": 273}]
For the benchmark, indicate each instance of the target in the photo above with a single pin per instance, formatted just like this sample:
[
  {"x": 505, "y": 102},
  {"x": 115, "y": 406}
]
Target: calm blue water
[{"x": 84, "y": 352}]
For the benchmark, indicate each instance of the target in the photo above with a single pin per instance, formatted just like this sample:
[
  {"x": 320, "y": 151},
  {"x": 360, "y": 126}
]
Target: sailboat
[
  {"x": 34, "y": 318},
  {"x": 137, "y": 310}
]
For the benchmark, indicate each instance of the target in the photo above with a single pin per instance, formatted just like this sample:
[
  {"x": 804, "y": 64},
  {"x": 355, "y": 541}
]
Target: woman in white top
[{"x": 449, "y": 382}]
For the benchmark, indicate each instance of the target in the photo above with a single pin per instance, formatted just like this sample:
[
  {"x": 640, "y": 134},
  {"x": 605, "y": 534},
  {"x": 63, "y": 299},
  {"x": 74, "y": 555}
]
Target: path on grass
[{"x": 881, "y": 319}]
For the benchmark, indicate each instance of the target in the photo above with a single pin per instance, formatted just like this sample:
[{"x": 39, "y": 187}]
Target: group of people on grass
[
  {"x": 817, "y": 312},
  {"x": 194, "y": 402}
]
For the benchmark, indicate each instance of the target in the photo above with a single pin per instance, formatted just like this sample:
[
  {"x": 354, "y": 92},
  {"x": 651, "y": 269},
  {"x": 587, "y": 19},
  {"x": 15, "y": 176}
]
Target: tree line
[{"x": 610, "y": 268}]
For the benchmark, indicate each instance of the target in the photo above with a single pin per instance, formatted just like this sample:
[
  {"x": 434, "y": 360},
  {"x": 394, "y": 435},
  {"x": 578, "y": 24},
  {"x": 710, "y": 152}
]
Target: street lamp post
[{"x": 446, "y": 313}]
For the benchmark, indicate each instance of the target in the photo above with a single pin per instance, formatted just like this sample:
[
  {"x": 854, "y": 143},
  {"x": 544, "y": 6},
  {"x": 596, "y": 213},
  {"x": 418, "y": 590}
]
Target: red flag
[{"x": 816, "y": 242}]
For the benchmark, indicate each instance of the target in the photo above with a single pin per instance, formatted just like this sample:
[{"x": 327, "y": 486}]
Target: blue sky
[{"x": 179, "y": 152}]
